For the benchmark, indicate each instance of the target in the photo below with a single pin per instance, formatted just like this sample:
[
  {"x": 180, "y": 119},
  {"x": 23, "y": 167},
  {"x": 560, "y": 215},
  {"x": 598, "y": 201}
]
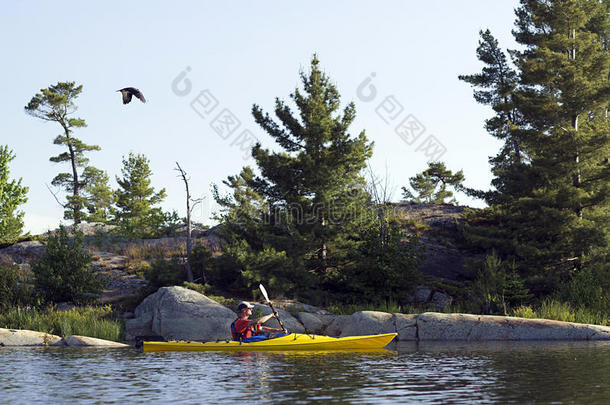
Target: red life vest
[{"x": 243, "y": 333}]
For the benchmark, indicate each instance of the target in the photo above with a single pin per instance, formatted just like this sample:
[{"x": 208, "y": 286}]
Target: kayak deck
[{"x": 295, "y": 341}]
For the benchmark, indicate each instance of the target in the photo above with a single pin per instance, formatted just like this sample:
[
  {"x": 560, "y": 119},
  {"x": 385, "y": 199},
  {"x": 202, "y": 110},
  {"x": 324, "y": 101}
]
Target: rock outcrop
[
  {"x": 178, "y": 313},
  {"x": 16, "y": 337},
  {"x": 435, "y": 326},
  {"x": 23, "y": 337},
  {"x": 84, "y": 341}
]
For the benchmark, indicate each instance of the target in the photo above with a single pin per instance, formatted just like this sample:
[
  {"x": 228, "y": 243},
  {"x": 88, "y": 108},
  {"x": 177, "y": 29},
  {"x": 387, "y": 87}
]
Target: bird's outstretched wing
[
  {"x": 128, "y": 92},
  {"x": 139, "y": 95}
]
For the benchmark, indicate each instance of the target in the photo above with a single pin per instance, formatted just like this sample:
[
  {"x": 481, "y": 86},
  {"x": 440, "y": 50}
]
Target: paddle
[{"x": 271, "y": 305}]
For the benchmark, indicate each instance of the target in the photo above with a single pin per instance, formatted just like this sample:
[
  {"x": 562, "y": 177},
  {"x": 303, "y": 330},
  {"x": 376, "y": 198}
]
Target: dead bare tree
[
  {"x": 189, "y": 210},
  {"x": 381, "y": 192}
]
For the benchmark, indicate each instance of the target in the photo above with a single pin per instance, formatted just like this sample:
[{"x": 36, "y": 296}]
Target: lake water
[{"x": 439, "y": 373}]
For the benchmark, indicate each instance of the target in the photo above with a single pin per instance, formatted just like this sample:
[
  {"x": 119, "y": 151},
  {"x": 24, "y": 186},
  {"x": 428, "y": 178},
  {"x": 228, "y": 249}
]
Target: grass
[
  {"x": 562, "y": 311},
  {"x": 97, "y": 322}
]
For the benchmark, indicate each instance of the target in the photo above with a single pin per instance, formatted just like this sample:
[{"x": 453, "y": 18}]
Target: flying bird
[{"x": 128, "y": 92}]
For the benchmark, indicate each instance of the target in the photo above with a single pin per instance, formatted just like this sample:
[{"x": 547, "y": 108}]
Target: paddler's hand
[
  {"x": 285, "y": 330},
  {"x": 275, "y": 314}
]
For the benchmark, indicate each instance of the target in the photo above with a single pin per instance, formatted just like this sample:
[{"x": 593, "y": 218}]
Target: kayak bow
[{"x": 295, "y": 341}]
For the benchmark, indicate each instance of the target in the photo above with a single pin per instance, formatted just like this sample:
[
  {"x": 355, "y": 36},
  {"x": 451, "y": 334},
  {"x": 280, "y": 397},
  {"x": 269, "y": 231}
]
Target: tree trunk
[
  {"x": 189, "y": 241},
  {"x": 577, "y": 181},
  {"x": 75, "y": 184}
]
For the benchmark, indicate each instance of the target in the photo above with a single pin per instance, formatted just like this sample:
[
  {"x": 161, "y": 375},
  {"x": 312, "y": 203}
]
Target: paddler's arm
[
  {"x": 264, "y": 319},
  {"x": 266, "y": 329}
]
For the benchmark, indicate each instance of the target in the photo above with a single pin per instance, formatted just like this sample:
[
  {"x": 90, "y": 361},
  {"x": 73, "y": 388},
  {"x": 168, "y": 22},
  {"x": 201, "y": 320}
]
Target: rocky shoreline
[
  {"x": 18, "y": 337},
  {"x": 177, "y": 313}
]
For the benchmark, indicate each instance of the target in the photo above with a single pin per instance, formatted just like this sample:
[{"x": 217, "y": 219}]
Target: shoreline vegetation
[
  {"x": 103, "y": 322},
  {"x": 100, "y": 322}
]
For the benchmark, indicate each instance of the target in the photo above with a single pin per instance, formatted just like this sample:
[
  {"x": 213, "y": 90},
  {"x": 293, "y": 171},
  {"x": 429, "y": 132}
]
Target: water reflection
[{"x": 501, "y": 372}]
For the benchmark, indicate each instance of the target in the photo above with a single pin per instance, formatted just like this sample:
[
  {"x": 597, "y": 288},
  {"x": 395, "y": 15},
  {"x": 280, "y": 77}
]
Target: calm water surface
[{"x": 426, "y": 373}]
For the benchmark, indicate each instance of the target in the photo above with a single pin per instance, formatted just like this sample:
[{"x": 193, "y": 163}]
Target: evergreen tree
[
  {"x": 56, "y": 104},
  {"x": 432, "y": 184},
  {"x": 136, "y": 214},
  {"x": 549, "y": 210},
  {"x": 12, "y": 195},
  {"x": 304, "y": 209},
  {"x": 98, "y": 195}
]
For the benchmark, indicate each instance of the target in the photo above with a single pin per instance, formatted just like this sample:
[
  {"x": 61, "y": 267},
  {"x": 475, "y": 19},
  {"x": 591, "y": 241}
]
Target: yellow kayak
[{"x": 295, "y": 341}]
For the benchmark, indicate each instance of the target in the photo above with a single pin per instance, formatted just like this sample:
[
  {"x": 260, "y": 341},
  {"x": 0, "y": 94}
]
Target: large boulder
[
  {"x": 177, "y": 313},
  {"x": 16, "y": 337},
  {"x": 311, "y": 322},
  {"x": 332, "y": 325},
  {"x": 436, "y": 326},
  {"x": 368, "y": 323},
  {"x": 373, "y": 322}
]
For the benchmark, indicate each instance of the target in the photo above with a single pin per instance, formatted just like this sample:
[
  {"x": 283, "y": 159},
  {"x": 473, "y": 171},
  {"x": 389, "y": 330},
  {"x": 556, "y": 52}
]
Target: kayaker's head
[{"x": 244, "y": 309}]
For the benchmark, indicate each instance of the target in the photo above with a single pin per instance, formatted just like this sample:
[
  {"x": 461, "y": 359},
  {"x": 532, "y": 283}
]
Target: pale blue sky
[{"x": 241, "y": 53}]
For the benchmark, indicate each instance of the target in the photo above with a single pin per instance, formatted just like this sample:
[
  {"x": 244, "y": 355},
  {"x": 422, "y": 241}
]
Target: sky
[{"x": 202, "y": 65}]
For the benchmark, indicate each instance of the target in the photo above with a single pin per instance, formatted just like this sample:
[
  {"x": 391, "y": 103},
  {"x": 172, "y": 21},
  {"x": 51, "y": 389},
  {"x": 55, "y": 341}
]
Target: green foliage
[
  {"x": 98, "y": 322},
  {"x": 98, "y": 195},
  {"x": 62, "y": 274},
  {"x": 201, "y": 261},
  {"x": 203, "y": 289},
  {"x": 14, "y": 287},
  {"x": 164, "y": 273},
  {"x": 586, "y": 290},
  {"x": 548, "y": 211},
  {"x": 136, "y": 214},
  {"x": 296, "y": 224},
  {"x": 384, "y": 266},
  {"x": 562, "y": 311},
  {"x": 12, "y": 195},
  {"x": 497, "y": 287},
  {"x": 57, "y": 104},
  {"x": 432, "y": 184}
]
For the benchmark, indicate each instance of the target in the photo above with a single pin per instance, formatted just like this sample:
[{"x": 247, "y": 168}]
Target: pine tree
[
  {"x": 56, "y": 104},
  {"x": 98, "y": 195},
  {"x": 12, "y": 195},
  {"x": 432, "y": 184},
  {"x": 549, "y": 209},
  {"x": 565, "y": 92},
  {"x": 310, "y": 196},
  {"x": 136, "y": 214}
]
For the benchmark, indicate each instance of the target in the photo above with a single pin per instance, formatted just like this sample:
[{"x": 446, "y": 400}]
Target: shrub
[
  {"x": 14, "y": 290},
  {"x": 164, "y": 273},
  {"x": 524, "y": 311},
  {"x": 497, "y": 286},
  {"x": 62, "y": 274},
  {"x": 383, "y": 268}
]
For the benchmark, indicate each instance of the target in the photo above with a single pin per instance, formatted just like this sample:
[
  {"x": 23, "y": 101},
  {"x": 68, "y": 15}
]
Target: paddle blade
[{"x": 264, "y": 292}]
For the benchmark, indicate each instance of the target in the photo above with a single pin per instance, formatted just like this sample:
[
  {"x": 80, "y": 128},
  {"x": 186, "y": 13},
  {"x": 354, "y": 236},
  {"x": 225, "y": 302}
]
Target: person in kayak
[{"x": 243, "y": 328}]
